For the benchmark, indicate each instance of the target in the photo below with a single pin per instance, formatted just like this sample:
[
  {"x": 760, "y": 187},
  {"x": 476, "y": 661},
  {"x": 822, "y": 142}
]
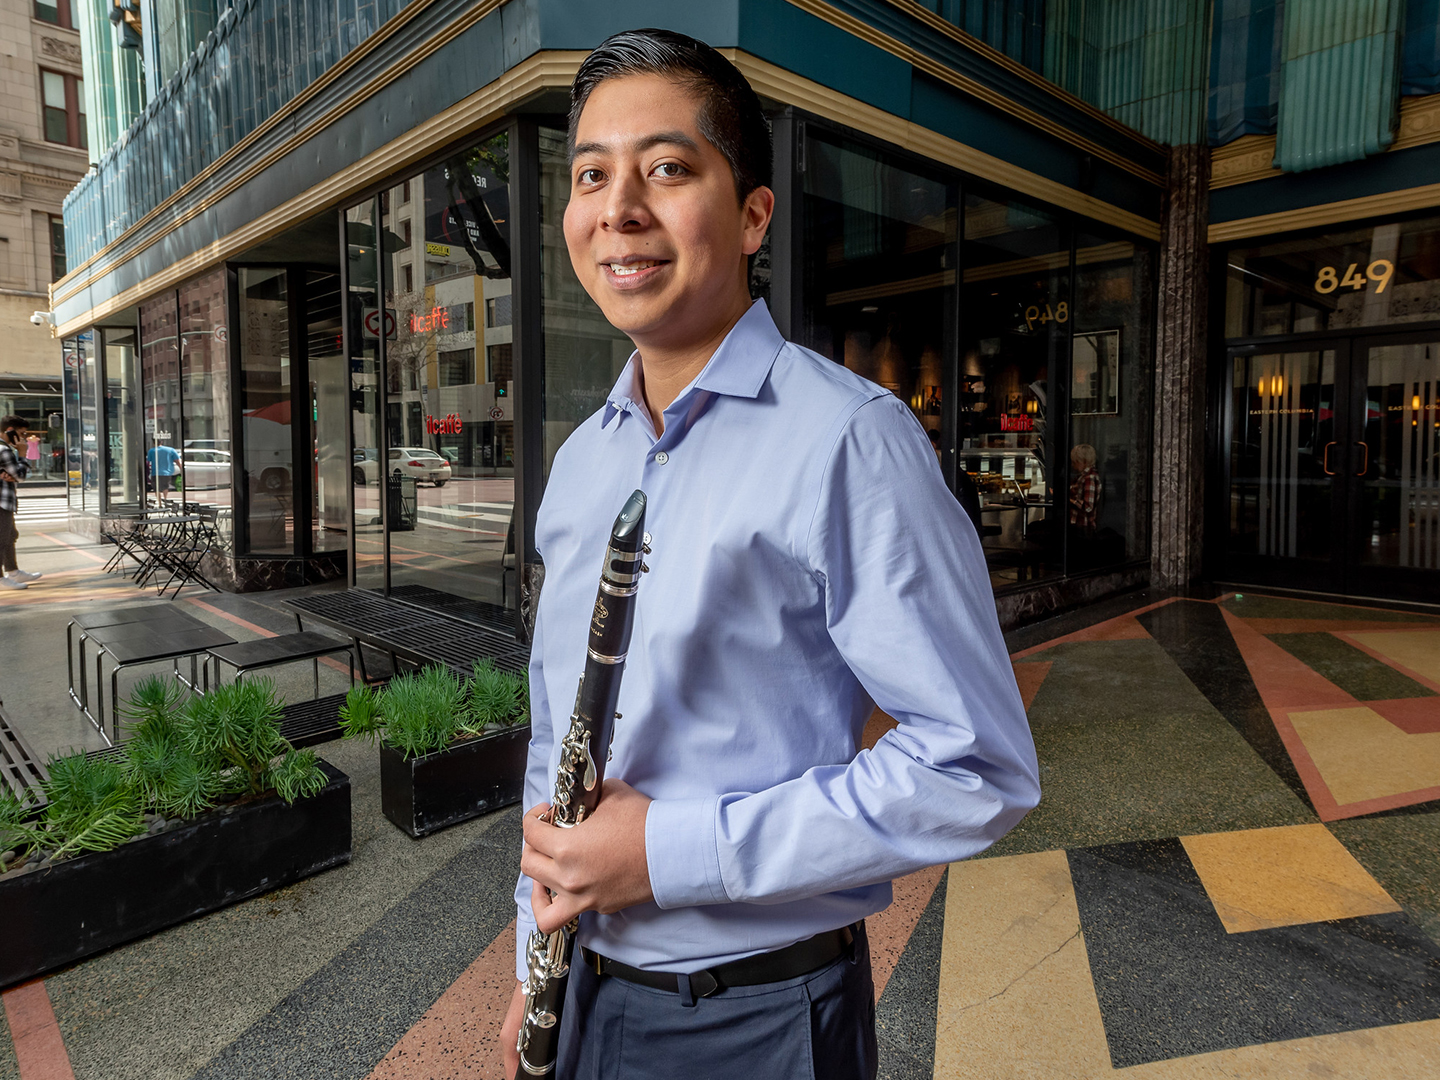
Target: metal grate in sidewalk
[
  {"x": 23, "y": 771},
  {"x": 414, "y": 634},
  {"x": 490, "y": 616}
]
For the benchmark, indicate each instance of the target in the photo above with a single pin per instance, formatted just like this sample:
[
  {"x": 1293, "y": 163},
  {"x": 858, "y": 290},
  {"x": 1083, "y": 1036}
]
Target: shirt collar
[{"x": 738, "y": 368}]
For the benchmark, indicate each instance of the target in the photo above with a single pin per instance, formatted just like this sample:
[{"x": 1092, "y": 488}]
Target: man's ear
[{"x": 756, "y": 212}]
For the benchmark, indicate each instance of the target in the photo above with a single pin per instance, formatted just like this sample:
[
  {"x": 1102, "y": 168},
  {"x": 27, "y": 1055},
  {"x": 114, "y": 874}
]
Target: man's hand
[
  {"x": 510, "y": 1030},
  {"x": 599, "y": 865}
]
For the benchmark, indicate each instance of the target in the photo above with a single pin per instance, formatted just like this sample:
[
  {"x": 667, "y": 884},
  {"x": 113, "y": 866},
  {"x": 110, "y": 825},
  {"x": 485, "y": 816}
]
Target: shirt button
[{"x": 661, "y": 458}]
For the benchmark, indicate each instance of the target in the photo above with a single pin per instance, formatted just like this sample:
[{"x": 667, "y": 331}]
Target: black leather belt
[{"x": 788, "y": 963}]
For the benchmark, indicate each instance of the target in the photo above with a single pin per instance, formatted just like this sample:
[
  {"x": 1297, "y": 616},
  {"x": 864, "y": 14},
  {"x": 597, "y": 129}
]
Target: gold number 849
[{"x": 1380, "y": 272}]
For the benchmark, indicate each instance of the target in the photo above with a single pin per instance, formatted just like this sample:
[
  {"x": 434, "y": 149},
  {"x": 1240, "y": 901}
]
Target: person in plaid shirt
[
  {"x": 1084, "y": 490},
  {"x": 13, "y": 470}
]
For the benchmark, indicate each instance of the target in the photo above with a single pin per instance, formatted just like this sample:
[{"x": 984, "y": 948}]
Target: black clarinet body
[{"x": 583, "y": 754}]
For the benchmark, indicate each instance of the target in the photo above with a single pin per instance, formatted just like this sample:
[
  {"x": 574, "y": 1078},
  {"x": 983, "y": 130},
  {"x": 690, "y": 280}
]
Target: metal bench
[
  {"x": 140, "y": 643},
  {"x": 245, "y": 656},
  {"x": 98, "y": 620}
]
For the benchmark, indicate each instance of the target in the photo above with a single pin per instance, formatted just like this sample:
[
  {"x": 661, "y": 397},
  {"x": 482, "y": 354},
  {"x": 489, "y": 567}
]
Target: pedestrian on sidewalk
[
  {"x": 13, "y": 470},
  {"x": 808, "y": 564}
]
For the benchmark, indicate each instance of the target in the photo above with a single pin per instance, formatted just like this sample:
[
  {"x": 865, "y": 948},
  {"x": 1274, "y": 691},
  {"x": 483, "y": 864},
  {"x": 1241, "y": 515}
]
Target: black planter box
[
  {"x": 452, "y": 785},
  {"x": 79, "y": 907}
]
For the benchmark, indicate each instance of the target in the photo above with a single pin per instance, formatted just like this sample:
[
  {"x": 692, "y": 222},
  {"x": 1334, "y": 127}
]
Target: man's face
[{"x": 656, "y": 232}]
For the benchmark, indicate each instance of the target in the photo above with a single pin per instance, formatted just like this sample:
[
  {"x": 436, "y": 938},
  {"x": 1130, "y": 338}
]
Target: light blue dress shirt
[{"x": 807, "y": 561}]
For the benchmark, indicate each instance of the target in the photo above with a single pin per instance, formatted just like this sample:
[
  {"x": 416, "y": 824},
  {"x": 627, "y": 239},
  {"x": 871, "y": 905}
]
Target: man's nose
[{"x": 625, "y": 208}]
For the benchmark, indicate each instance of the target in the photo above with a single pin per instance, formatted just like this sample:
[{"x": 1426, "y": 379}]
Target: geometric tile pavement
[{"x": 1233, "y": 873}]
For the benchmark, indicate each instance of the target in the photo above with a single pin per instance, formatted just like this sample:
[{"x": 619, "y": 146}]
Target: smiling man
[{"x": 808, "y": 563}]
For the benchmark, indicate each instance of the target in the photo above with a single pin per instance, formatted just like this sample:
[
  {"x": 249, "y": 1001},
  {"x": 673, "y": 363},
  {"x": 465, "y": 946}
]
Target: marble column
[{"x": 1178, "y": 473}]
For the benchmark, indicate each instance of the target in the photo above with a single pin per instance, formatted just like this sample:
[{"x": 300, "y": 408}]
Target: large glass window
[
  {"x": 366, "y": 327},
  {"x": 450, "y": 449},
  {"x": 326, "y": 411},
  {"x": 205, "y": 380},
  {"x": 90, "y": 448},
  {"x": 70, "y": 389},
  {"x": 1015, "y": 325},
  {"x": 265, "y": 409},
  {"x": 160, "y": 381},
  {"x": 880, "y": 286},
  {"x": 1375, "y": 275},
  {"x": 584, "y": 354},
  {"x": 1112, "y": 327},
  {"x": 124, "y": 431}
]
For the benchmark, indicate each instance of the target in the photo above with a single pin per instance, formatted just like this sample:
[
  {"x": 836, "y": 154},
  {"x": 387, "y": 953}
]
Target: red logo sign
[
  {"x": 1017, "y": 423},
  {"x": 449, "y": 425},
  {"x": 438, "y": 318}
]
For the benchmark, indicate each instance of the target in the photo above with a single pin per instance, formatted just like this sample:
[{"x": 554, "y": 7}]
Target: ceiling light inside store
[{"x": 869, "y": 309}]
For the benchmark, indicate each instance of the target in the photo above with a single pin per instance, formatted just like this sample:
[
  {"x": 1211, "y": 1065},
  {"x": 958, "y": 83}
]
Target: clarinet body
[{"x": 583, "y": 754}]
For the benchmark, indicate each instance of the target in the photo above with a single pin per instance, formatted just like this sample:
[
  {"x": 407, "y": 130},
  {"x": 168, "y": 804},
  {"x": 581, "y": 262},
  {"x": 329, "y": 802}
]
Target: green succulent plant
[
  {"x": 421, "y": 712},
  {"x": 91, "y": 805}
]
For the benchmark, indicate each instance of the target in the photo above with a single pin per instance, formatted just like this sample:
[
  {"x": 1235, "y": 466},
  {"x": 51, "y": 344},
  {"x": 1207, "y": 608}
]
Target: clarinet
[{"x": 581, "y": 771}]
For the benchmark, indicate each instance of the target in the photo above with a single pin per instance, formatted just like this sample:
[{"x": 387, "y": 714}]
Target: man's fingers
[{"x": 560, "y": 910}]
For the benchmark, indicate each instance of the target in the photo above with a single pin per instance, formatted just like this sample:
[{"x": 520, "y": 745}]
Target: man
[
  {"x": 13, "y": 470},
  {"x": 164, "y": 464},
  {"x": 807, "y": 562}
]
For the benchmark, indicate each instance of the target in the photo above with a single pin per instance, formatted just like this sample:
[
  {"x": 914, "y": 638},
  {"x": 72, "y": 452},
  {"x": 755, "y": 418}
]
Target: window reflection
[
  {"x": 584, "y": 354},
  {"x": 160, "y": 379},
  {"x": 881, "y": 281},
  {"x": 205, "y": 467},
  {"x": 450, "y": 444},
  {"x": 1016, "y": 326},
  {"x": 124, "y": 439},
  {"x": 1376, "y": 275}
]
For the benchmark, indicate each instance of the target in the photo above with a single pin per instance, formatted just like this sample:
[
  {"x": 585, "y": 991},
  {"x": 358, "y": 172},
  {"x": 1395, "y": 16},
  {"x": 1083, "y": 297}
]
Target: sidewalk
[{"x": 1233, "y": 873}]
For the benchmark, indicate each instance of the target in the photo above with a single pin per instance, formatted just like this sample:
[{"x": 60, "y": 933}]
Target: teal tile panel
[{"x": 1339, "y": 90}]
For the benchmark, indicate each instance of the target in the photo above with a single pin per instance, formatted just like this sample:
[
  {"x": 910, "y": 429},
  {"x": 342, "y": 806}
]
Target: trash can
[{"x": 403, "y": 501}]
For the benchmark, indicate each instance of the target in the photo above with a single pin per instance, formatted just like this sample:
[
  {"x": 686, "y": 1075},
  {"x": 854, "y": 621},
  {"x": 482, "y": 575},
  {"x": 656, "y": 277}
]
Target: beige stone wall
[{"x": 35, "y": 177}]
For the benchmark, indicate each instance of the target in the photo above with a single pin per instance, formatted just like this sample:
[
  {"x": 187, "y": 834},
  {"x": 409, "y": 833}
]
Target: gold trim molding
[
  {"x": 479, "y": 110},
  {"x": 556, "y": 69},
  {"x": 775, "y": 82},
  {"x": 1309, "y": 217},
  {"x": 364, "y": 49},
  {"x": 1252, "y": 157},
  {"x": 936, "y": 70}
]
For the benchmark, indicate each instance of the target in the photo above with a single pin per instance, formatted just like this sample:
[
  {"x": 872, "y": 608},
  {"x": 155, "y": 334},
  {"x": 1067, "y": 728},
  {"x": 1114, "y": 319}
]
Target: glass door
[
  {"x": 1393, "y": 467},
  {"x": 1286, "y": 504}
]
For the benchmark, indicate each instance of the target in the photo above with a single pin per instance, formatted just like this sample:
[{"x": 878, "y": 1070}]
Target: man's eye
[
  {"x": 670, "y": 170},
  {"x": 591, "y": 176}
]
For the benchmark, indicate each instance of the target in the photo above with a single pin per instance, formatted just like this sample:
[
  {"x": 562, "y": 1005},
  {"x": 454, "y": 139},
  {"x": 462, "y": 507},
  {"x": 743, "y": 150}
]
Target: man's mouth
[{"x": 626, "y": 269}]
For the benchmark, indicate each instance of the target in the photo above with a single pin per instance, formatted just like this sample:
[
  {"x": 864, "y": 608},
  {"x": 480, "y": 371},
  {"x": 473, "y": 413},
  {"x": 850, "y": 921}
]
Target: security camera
[{"x": 42, "y": 318}]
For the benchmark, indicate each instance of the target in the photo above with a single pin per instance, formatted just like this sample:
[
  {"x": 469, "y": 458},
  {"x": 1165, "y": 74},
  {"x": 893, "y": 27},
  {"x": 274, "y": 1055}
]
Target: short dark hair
[
  {"x": 9, "y": 423},
  {"x": 730, "y": 116}
]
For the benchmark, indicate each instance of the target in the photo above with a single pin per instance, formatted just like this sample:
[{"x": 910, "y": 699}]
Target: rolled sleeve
[{"x": 680, "y": 850}]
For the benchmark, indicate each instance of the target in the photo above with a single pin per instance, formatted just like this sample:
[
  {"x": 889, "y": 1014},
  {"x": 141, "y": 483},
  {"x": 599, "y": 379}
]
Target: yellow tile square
[{"x": 1295, "y": 874}]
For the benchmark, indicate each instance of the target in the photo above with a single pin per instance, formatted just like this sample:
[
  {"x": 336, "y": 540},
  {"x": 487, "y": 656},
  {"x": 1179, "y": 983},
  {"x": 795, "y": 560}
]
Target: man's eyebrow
[{"x": 643, "y": 143}]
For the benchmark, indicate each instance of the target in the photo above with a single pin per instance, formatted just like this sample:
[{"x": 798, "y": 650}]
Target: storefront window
[
  {"x": 1112, "y": 325},
  {"x": 364, "y": 384},
  {"x": 879, "y": 282},
  {"x": 70, "y": 383},
  {"x": 1376, "y": 275},
  {"x": 124, "y": 433},
  {"x": 160, "y": 382},
  {"x": 90, "y": 468},
  {"x": 584, "y": 354},
  {"x": 450, "y": 446},
  {"x": 205, "y": 379},
  {"x": 265, "y": 409},
  {"x": 1015, "y": 325},
  {"x": 326, "y": 411}
]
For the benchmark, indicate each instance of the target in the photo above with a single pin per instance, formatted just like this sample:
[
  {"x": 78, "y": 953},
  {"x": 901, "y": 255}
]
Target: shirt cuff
[{"x": 680, "y": 850}]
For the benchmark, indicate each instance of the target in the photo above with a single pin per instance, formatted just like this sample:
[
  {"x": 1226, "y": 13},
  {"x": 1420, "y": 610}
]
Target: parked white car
[
  {"x": 205, "y": 469},
  {"x": 414, "y": 461}
]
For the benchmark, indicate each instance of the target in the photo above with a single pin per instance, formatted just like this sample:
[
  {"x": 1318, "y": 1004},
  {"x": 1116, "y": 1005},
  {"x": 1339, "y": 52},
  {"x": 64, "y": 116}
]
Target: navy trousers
[{"x": 820, "y": 1026}]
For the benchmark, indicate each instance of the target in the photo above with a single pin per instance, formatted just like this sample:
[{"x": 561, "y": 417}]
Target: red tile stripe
[{"x": 39, "y": 1047}]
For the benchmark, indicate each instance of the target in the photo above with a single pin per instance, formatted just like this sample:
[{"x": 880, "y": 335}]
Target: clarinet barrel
[{"x": 583, "y": 753}]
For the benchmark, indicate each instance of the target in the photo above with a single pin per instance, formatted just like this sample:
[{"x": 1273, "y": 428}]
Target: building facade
[
  {"x": 42, "y": 156},
  {"x": 323, "y": 272}
]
